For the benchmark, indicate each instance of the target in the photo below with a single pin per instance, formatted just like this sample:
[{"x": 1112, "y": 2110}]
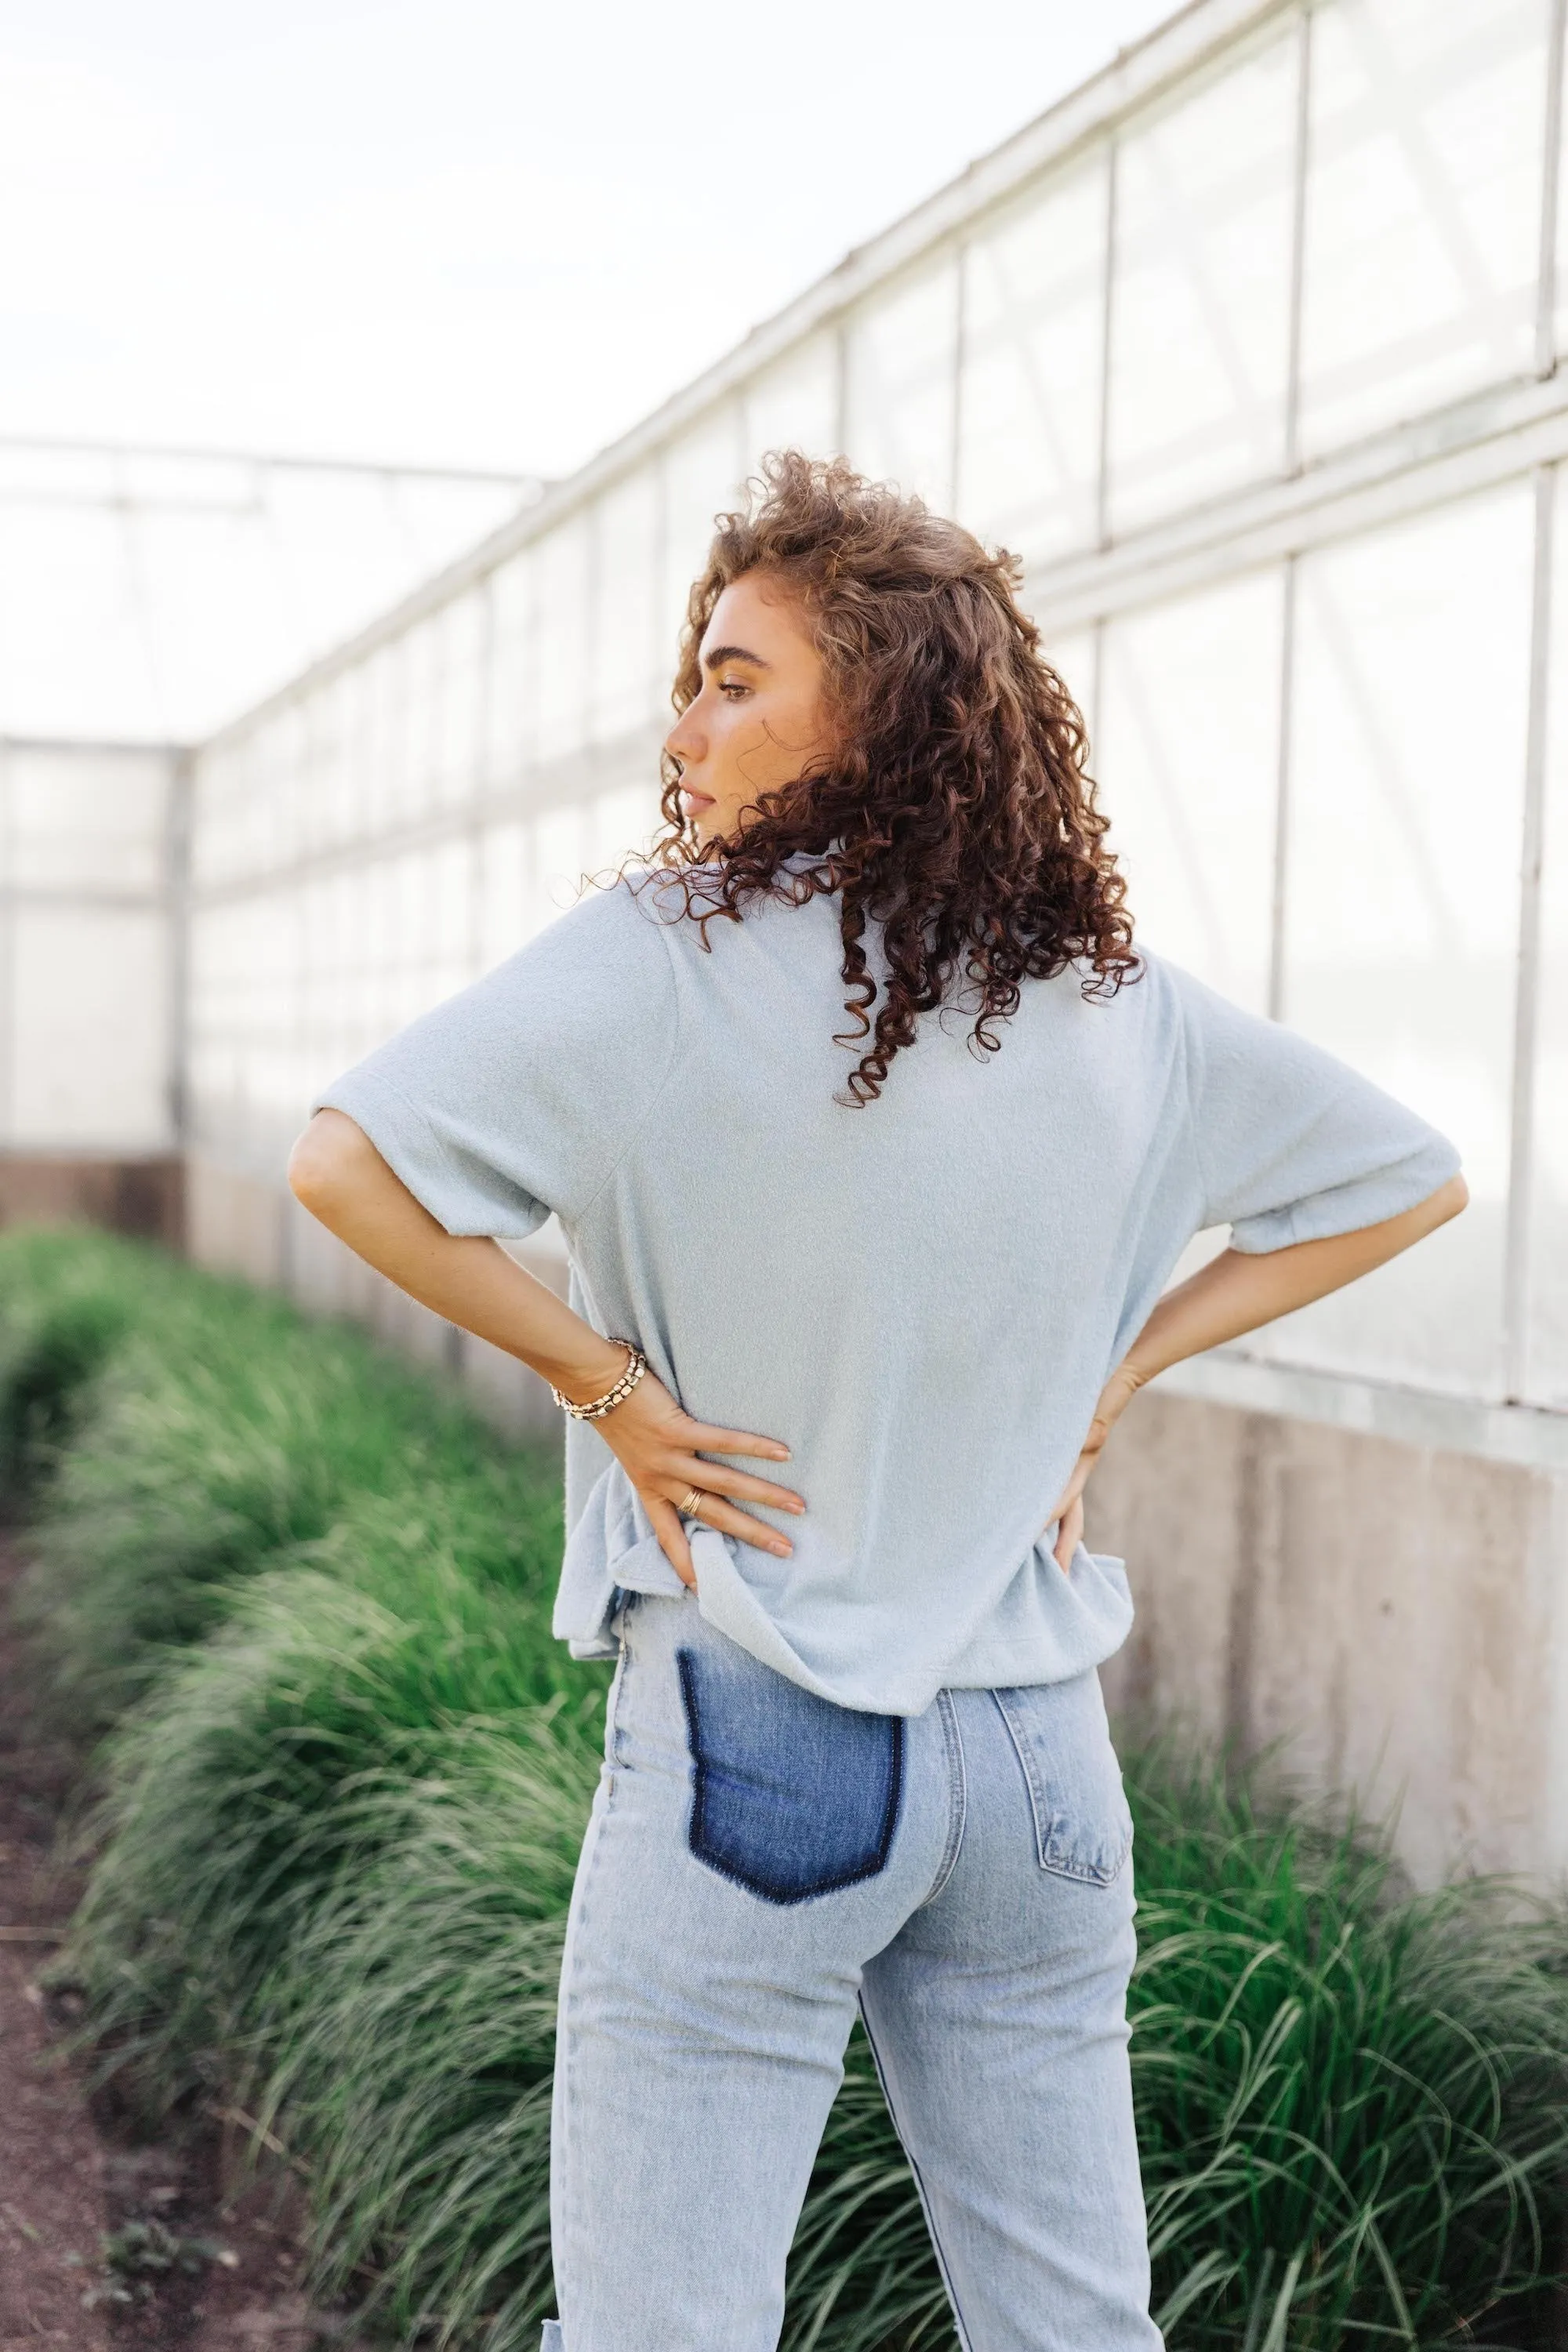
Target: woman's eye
[{"x": 732, "y": 689}]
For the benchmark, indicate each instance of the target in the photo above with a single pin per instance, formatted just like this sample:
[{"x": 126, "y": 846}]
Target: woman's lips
[{"x": 694, "y": 801}]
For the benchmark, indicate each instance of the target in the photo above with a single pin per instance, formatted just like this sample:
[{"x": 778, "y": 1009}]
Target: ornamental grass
[{"x": 292, "y": 1597}]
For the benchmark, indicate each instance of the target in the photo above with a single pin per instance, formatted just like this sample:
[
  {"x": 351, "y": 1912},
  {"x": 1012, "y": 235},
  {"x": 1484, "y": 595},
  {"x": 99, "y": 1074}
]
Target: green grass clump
[
  {"x": 304, "y": 1595},
  {"x": 214, "y": 1432},
  {"x": 1352, "y": 2099}
]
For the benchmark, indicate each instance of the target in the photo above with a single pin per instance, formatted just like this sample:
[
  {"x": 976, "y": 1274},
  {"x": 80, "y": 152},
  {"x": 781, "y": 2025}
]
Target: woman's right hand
[
  {"x": 1114, "y": 1399},
  {"x": 659, "y": 1447}
]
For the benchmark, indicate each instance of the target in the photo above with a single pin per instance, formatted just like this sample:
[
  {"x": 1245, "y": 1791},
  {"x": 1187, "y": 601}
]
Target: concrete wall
[
  {"x": 144, "y": 1197},
  {"x": 1392, "y": 1615}
]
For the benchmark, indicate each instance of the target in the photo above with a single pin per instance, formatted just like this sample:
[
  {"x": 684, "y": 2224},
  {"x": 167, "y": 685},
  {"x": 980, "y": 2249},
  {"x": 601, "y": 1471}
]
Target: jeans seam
[
  {"x": 567, "y": 2024},
  {"x": 965, "y": 2340},
  {"x": 957, "y": 1797}
]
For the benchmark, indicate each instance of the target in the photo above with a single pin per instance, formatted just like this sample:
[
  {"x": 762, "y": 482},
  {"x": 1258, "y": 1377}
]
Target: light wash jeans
[{"x": 759, "y": 1861}]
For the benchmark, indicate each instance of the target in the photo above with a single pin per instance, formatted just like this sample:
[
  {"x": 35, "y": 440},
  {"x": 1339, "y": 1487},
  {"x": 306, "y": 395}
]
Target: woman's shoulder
[{"x": 615, "y": 918}]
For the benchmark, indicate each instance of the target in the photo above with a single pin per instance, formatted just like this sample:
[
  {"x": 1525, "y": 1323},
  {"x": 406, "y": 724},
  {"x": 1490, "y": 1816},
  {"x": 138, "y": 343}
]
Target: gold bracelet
[{"x": 637, "y": 1365}]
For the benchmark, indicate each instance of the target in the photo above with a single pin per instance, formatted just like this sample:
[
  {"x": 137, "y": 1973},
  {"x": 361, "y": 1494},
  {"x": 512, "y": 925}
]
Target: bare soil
[{"x": 111, "y": 2240}]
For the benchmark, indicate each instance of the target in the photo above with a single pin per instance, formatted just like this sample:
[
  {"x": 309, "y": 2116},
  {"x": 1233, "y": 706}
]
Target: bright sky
[{"x": 482, "y": 231}]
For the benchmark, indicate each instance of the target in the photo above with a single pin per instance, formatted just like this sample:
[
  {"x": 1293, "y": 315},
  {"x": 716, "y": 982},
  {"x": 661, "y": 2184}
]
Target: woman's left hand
[{"x": 661, "y": 1448}]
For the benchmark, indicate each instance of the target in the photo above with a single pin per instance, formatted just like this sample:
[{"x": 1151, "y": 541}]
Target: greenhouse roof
[{"x": 147, "y": 594}]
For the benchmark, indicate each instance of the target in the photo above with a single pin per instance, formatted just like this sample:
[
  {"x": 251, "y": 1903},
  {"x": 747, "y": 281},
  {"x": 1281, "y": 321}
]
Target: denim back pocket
[
  {"x": 791, "y": 1796},
  {"x": 1082, "y": 1827}
]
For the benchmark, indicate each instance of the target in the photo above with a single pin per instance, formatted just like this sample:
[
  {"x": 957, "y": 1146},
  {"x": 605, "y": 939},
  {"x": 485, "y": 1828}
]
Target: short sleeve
[
  {"x": 519, "y": 1096},
  {"x": 1293, "y": 1145}
]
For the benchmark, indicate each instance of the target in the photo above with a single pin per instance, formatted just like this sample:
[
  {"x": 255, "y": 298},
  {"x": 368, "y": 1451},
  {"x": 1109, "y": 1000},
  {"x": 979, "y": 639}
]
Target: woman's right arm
[
  {"x": 337, "y": 1173},
  {"x": 1237, "y": 1292}
]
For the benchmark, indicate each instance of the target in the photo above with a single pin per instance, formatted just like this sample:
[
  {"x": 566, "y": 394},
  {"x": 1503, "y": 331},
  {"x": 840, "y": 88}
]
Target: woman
[{"x": 867, "y": 1130}]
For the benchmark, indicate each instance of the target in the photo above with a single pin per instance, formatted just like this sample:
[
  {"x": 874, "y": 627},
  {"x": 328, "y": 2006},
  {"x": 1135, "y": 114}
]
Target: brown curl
[{"x": 954, "y": 813}]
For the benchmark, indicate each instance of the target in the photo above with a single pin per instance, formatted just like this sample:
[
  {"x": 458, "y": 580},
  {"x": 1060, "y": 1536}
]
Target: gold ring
[{"x": 688, "y": 1504}]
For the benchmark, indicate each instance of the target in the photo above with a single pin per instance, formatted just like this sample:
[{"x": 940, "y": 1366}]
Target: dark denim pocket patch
[
  {"x": 1082, "y": 1827},
  {"x": 791, "y": 1796}
]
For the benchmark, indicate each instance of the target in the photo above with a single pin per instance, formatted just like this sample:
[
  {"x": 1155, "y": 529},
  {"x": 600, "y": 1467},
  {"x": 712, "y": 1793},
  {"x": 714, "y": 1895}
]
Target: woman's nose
[{"x": 684, "y": 741}]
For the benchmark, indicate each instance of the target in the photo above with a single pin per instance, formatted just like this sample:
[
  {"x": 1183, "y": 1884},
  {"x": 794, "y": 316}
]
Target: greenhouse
[{"x": 1249, "y": 348}]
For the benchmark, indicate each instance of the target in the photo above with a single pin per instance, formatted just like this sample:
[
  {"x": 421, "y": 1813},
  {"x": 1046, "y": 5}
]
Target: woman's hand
[
  {"x": 1114, "y": 1397},
  {"x": 657, "y": 1444},
  {"x": 1235, "y": 1293}
]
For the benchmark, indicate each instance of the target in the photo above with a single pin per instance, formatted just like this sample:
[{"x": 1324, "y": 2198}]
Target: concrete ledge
[
  {"x": 143, "y": 1197},
  {"x": 1526, "y": 1436}
]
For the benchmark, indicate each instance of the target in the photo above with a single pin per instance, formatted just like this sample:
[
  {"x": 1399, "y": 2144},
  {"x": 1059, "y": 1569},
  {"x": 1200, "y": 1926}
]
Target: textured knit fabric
[{"x": 921, "y": 1298}]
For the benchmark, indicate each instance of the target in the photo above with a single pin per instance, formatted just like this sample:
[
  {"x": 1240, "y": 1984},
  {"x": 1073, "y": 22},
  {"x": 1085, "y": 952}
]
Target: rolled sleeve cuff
[
  {"x": 1350, "y": 1208},
  {"x": 464, "y": 1198}
]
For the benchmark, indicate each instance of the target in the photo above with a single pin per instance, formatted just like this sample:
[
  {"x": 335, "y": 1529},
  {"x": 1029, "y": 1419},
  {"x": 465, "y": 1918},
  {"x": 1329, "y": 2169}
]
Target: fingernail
[
  {"x": 781, "y": 1548},
  {"x": 781, "y": 1454},
  {"x": 794, "y": 1503}
]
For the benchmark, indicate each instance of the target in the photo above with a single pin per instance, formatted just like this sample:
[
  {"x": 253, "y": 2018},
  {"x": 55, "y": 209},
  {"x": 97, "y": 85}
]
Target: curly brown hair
[{"x": 954, "y": 811}]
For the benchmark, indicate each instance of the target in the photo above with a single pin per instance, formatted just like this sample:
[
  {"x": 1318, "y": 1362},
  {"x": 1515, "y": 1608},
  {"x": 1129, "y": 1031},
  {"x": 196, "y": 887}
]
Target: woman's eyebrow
[{"x": 722, "y": 654}]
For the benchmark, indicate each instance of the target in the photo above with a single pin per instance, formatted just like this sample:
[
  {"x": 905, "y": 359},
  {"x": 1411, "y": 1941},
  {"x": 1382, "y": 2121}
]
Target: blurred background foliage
[{"x": 292, "y": 1601}]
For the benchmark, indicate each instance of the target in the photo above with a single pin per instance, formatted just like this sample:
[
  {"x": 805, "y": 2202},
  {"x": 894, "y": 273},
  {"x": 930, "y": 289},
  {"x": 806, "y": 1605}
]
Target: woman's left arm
[{"x": 1235, "y": 1293}]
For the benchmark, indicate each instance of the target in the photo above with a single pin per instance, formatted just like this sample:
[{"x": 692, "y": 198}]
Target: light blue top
[{"x": 922, "y": 1298}]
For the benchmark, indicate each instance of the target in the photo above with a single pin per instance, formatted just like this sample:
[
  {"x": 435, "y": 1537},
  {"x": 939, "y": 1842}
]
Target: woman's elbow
[
  {"x": 329, "y": 1162},
  {"x": 1435, "y": 1210},
  {"x": 1448, "y": 1200}
]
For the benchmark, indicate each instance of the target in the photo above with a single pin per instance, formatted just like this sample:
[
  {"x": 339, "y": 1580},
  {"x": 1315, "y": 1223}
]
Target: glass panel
[
  {"x": 621, "y": 825},
  {"x": 561, "y": 851},
  {"x": 562, "y": 622},
  {"x": 328, "y": 713},
  {"x": 630, "y": 667},
  {"x": 1546, "y": 1336},
  {"x": 794, "y": 404},
  {"x": 1423, "y": 206},
  {"x": 89, "y": 1067},
  {"x": 352, "y": 725},
  {"x": 509, "y": 726},
  {"x": 446, "y": 878},
  {"x": 308, "y": 813},
  {"x": 464, "y": 626},
  {"x": 1200, "y": 310},
  {"x": 389, "y": 742},
  {"x": 424, "y": 687},
  {"x": 702, "y": 475},
  {"x": 1402, "y": 882},
  {"x": 279, "y": 804},
  {"x": 1034, "y": 319},
  {"x": 503, "y": 858},
  {"x": 1188, "y": 759},
  {"x": 1074, "y": 654},
  {"x": 900, "y": 355},
  {"x": 86, "y": 819}
]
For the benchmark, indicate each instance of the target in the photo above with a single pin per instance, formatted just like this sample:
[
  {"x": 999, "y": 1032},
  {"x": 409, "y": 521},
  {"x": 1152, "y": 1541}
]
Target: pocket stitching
[{"x": 1045, "y": 1818}]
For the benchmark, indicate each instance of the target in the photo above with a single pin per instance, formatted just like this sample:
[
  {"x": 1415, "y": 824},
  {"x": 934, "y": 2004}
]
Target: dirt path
[
  {"x": 52, "y": 2208},
  {"x": 108, "y": 2243}
]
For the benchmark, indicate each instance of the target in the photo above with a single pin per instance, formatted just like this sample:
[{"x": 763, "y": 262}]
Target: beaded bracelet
[{"x": 637, "y": 1365}]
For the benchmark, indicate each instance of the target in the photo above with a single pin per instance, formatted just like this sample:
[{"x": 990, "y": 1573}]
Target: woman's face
[{"x": 761, "y": 714}]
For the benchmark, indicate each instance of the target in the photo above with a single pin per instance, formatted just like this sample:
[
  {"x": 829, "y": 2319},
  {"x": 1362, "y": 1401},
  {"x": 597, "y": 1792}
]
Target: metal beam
[
  {"x": 1493, "y": 436},
  {"x": 1521, "y": 1123},
  {"x": 265, "y": 461},
  {"x": 1525, "y": 1435}
]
